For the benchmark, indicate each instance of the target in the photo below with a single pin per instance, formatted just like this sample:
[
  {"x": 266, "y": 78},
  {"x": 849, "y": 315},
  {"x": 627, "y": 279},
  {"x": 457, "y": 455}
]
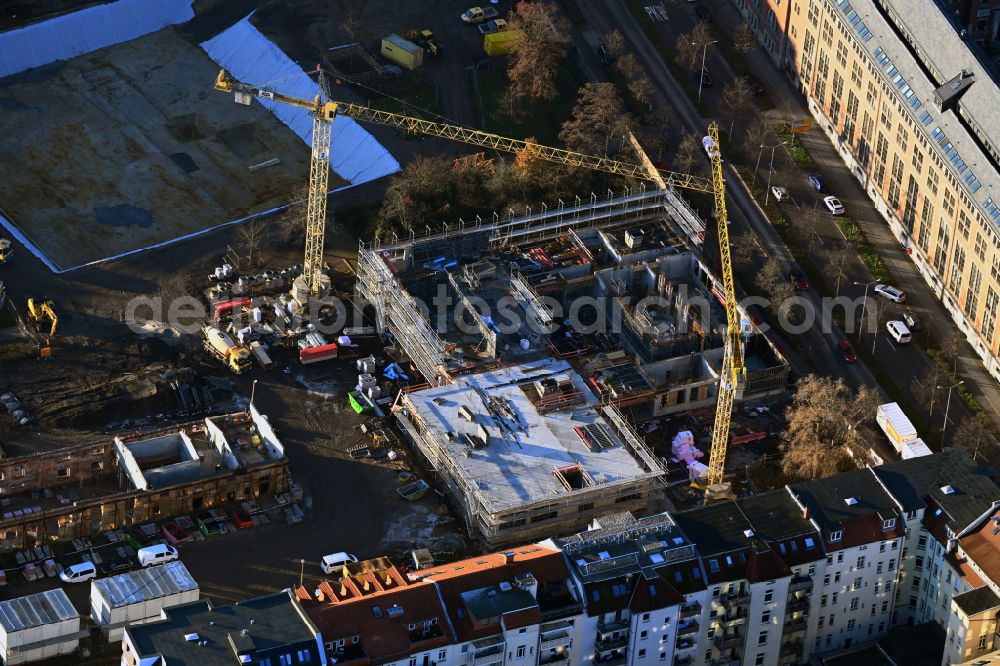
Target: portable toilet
[{"x": 402, "y": 52}]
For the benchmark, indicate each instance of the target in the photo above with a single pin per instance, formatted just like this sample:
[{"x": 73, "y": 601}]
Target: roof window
[
  {"x": 947, "y": 490},
  {"x": 850, "y": 501}
]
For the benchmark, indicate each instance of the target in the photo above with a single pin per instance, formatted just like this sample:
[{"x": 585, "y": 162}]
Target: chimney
[
  {"x": 508, "y": 556},
  {"x": 318, "y": 594},
  {"x": 805, "y": 512},
  {"x": 343, "y": 588},
  {"x": 367, "y": 585}
]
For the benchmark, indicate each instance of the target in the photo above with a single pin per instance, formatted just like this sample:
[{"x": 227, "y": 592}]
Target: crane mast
[{"x": 314, "y": 282}]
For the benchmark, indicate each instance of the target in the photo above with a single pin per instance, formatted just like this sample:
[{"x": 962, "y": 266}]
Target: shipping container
[
  {"x": 231, "y": 306},
  {"x": 402, "y": 52},
  {"x": 895, "y": 425},
  {"x": 317, "y": 354},
  {"x": 915, "y": 449},
  {"x": 501, "y": 43}
]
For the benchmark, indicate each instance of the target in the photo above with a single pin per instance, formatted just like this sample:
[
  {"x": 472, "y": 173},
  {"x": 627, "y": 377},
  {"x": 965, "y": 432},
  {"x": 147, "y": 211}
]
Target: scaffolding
[
  {"x": 532, "y": 303},
  {"x": 397, "y": 313},
  {"x": 489, "y": 337}
]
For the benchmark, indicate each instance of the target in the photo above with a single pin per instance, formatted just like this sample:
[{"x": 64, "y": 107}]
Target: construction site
[{"x": 492, "y": 380}]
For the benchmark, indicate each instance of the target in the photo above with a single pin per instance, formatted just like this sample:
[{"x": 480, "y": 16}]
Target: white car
[
  {"x": 779, "y": 193},
  {"x": 833, "y": 205},
  {"x": 711, "y": 149},
  {"x": 893, "y": 294},
  {"x": 78, "y": 573},
  {"x": 899, "y": 331},
  {"x": 334, "y": 561}
]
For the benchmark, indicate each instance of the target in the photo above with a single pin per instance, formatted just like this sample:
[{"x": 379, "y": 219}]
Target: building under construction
[{"x": 531, "y": 334}]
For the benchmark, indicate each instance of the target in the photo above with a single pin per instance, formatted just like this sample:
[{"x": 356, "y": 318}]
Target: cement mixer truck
[{"x": 236, "y": 357}]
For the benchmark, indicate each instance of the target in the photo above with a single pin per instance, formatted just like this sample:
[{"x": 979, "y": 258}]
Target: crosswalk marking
[{"x": 656, "y": 12}]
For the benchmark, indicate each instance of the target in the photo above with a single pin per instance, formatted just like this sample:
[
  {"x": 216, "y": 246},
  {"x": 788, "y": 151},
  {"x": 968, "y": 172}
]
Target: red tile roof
[
  {"x": 983, "y": 547},
  {"x": 650, "y": 595}
]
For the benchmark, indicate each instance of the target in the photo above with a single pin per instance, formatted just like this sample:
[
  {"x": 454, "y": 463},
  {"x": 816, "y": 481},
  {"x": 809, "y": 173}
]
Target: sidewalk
[{"x": 791, "y": 106}]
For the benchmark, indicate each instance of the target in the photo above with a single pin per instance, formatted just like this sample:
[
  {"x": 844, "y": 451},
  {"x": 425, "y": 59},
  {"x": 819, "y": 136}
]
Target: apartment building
[
  {"x": 912, "y": 113},
  {"x": 781, "y": 577}
]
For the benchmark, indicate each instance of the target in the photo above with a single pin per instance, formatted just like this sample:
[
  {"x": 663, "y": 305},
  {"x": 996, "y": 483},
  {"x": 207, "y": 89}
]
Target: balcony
[
  {"x": 687, "y": 628},
  {"x": 791, "y": 649},
  {"x": 487, "y": 657},
  {"x": 687, "y": 610},
  {"x": 800, "y": 583},
  {"x": 559, "y": 657},
  {"x": 554, "y": 640},
  {"x": 683, "y": 660},
  {"x": 730, "y": 619},
  {"x": 610, "y": 645},
  {"x": 728, "y": 641},
  {"x": 685, "y": 643},
  {"x": 795, "y": 624},
  {"x": 605, "y": 628},
  {"x": 797, "y": 605},
  {"x": 434, "y": 631},
  {"x": 620, "y": 660}
]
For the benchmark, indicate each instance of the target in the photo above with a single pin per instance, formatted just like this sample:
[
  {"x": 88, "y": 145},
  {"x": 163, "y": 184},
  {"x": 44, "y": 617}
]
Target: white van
[
  {"x": 78, "y": 573},
  {"x": 334, "y": 561},
  {"x": 899, "y": 331},
  {"x": 158, "y": 554}
]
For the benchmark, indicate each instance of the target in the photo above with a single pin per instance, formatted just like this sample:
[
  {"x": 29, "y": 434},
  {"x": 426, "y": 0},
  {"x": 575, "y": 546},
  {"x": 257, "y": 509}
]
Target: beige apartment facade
[{"x": 917, "y": 123}]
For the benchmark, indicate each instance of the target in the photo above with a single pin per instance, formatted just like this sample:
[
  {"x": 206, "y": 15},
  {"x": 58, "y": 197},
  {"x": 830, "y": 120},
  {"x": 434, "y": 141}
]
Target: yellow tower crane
[{"x": 324, "y": 112}]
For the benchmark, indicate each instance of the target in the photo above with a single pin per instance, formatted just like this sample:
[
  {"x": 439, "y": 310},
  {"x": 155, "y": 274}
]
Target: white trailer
[
  {"x": 39, "y": 626},
  {"x": 138, "y": 596},
  {"x": 915, "y": 449},
  {"x": 895, "y": 425}
]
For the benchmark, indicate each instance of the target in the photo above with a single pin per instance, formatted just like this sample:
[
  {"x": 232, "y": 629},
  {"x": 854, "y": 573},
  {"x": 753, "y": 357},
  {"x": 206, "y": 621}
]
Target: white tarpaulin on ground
[
  {"x": 249, "y": 56},
  {"x": 87, "y": 30}
]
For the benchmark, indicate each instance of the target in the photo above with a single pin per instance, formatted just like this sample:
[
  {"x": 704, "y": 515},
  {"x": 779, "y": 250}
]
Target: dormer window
[
  {"x": 836, "y": 535},
  {"x": 888, "y": 524}
]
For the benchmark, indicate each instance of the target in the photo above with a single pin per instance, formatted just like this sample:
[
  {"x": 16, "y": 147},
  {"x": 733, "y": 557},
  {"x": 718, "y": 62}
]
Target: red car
[
  {"x": 241, "y": 518},
  {"x": 799, "y": 280},
  {"x": 847, "y": 351}
]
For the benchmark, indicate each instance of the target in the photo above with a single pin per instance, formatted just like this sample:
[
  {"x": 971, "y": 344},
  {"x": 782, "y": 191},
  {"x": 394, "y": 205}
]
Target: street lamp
[
  {"x": 864, "y": 305},
  {"x": 770, "y": 170},
  {"x": 701, "y": 76},
  {"x": 302, "y": 571},
  {"x": 253, "y": 391},
  {"x": 947, "y": 407}
]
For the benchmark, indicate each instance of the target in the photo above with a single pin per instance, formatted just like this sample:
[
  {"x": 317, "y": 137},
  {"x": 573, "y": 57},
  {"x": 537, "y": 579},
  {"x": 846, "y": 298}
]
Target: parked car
[
  {"x": 160, "y": 553},
  {"x": 331, "y": 562},
  {"x": 847, "y": 351},
  {"x": 702, "y": 14},
  {"x": 893, "y": 294},
  {"x": 755, "y": 86},
  {"x": 604, "y": 55},
  {"x": 779, "y": 193},
  {"x": 817, "y": 181},
  {"x": 209, "y": 525},
  {"x": 833, "y": 205},
  {"x": 78, "y": 573},
  {"x": 115, "y": 566},
  {"x": 912, "y": 321},
  {"x": 799, "y": 280},
  {"x": 241, "y": 518},
  {"x": 175, "y": 534},
  {"x": 899, "y": 331},
  {"x": 711, "y": 149}
]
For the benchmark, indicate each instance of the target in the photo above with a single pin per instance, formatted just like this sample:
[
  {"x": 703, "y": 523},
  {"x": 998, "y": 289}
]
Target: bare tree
[
  {"x": 743, "y": 246},
  {"x": 949, "y": 354},
  {"x": 974, "y": 433},
  {"x": 628, "y": 65},
  {"x": 825, "y": 421},
  {"x": 641, "y": 89},
  {"x": 738, "y": 96},
  {"x": 536, "y": 57},
  {"x": 421, "y": 188},
  {"x": 598, "y": 117},
  {"x": 689, "y": 45},
  {"x": 744, "y": 41},
  {"x": 252, "y": 237},
  {"x": 837, "y": 265},
  {"x": 772, "y": 281},
  {"x": 614, "y": 42},
  {"x": 688, "y": 152},
  {"x": 349, "y": 25},
  {"x": 290, "y": 225},
  {"x": 755, "y": 135}
]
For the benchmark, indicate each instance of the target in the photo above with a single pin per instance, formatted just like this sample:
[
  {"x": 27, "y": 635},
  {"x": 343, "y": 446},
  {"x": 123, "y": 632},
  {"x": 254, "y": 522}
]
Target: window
[
  {"x": 836, "y": 577},
  {"x": 759, "y": 659},
  {"x": 854, "y": 603},
  {"x": 642, "y": 653},
  {"x": 850, "y": 624},
  {"x": 645, "y": 617},
  {"x": 892, "y": 565},
  {"x": 663, "y": 655},
  {"x": 713, "y": 566},
  {"x": 521, "y": 649},
  {"x": 857, "y": 582},
  {"x": 762, "y": 638},
  {"x": 833, "y": 599},
  {"x": 765, "y": 617},
  {"x": 442, "y": 655},
  {"x": 840, "y": 556},
  {"x": 810, "y": 543},
  {"x": 972, "y": 292},
  {"x": 861, "y": 562},
  {"x": 822, "y": 621},
  {"x": 643, "y": 635},
  {"x": 836, "y": 535},
  {"x": 822, "y": 601},
  {"x": 982, "y": 642},
  {"x": 768, "y": 595}
]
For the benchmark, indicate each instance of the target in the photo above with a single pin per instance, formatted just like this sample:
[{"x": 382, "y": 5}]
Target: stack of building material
[{"x": 684, "y": 451}]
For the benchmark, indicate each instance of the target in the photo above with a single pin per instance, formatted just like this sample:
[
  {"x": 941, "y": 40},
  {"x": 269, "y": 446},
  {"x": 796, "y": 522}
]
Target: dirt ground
[{"x": 150, "y": 151}]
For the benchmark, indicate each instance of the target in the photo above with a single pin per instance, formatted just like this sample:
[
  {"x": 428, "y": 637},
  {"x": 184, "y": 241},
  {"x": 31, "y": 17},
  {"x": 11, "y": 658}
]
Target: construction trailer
[
  {"x": 402, "y": 52},
  {"x": 501, "y": 43},
  {"x": 38, "y": 627},
  {"x": 138, "y": 597}
]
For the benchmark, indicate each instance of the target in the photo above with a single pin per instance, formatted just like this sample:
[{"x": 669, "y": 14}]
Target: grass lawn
[{"x": 541, "y": 121}]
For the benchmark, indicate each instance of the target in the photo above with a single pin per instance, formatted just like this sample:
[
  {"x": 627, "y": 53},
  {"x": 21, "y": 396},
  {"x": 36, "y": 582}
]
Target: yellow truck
[
  {"x": 402, "y": 52},
  {"x": 236, "y": 357},
  {"x": 501, "y": 43},
  {"x": 477, "y": 15}
]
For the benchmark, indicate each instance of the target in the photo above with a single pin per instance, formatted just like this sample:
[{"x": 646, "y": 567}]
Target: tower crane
[{"x": 312, "y": 280}]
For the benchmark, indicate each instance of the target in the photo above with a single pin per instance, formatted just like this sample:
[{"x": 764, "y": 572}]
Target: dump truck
[
  {"x": 477, "y": 15},
  {"x": 501, "y": 43},
  {"x": 236, "y": 357},
  {"x": 496, "y": 25},
  {"x": 6, "y": 250},
  {"x": 424, "y": 39},
  {"x": 402, "y": 52},
  {"x": 895, "y": 425}
]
